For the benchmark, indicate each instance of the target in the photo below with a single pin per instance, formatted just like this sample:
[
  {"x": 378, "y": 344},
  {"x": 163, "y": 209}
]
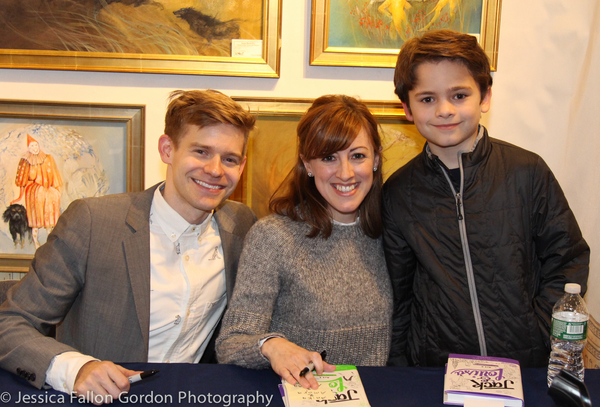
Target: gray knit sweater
[{"x": 322, "y": 294}]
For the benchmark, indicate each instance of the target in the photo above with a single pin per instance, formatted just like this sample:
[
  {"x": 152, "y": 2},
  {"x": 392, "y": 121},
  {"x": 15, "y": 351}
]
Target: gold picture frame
[
  {"x": 272, "y": 145},
  {"x": 97, "y": 149},
  {"x": 245, "y": 63},
  {"x": 323, "y": 54}
]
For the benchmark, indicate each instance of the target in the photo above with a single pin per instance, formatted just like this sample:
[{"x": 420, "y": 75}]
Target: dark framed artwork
[
  {"x": 229, "y": 37},
  {"x": 53, "y": 153}
]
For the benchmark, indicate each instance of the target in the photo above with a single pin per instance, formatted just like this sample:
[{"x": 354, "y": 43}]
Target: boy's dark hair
[
  {"x": 205, "y": 108},
  {"x": 331, "y": 124},
  {"x": 436, "y": 46}
]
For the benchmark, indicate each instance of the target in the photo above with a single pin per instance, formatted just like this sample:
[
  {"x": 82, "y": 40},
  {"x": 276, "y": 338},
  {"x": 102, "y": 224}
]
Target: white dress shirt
[
  {"x": 187, "y": 293},
  {"x": 187, "y": 286}
]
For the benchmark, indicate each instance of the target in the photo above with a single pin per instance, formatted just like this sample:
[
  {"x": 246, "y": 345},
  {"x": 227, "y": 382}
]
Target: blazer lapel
[
  {"x": 231, "y": 246},
  {"x": 137, "y": 257}
]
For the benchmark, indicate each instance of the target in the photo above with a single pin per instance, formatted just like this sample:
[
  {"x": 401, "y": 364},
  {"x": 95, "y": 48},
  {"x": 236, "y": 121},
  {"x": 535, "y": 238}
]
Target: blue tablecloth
[{"x": 224, "y": 385}]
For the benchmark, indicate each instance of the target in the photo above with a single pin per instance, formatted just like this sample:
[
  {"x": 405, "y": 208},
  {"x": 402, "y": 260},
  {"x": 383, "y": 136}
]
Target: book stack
[
  {"x": 482, "y": 380},
  {"x": 343, "y": 385}
]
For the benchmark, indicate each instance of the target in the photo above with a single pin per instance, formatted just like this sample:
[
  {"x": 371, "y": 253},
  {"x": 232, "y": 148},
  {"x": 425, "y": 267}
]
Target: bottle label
[{"x": 569, "y": 331}]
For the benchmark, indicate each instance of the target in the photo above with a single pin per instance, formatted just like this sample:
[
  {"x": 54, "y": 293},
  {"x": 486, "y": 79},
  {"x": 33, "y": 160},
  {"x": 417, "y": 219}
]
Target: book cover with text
[
  {"x": 341, "y": 386},
  {"x": 484, "y": 378}
]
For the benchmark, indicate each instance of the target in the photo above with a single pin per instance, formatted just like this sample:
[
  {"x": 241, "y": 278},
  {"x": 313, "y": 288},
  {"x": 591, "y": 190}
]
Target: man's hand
[
  {"x": 102, "y": 382},
  {"x": 288, "y": 359}
]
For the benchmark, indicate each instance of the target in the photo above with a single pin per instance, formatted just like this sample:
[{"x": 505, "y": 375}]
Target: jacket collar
[
  {"x": 224, "y": 218},
  {"x": 139, "y": 211},
  {"x": 229, "y": 241},
  {"x": 480, "y": 149},
  {"x": 137, "y": 250},
  {"x": 137, "y": 257},
  {"x": 471, "y": 158}
]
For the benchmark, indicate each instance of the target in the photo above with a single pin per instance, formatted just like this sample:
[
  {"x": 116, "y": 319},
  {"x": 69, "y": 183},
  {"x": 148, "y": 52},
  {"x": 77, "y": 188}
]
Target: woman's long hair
[{"x": 331, "y": 124}]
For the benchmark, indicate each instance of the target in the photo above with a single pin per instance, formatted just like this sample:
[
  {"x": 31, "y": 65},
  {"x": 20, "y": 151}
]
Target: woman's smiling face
[{"x": 345, "y": 177}]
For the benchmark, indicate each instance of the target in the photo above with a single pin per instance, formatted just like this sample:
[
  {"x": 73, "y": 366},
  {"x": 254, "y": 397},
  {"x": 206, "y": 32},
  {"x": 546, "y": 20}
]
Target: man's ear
[
  {"x": 407, "y": 112},
  {"x": 243, "y": 165},
  {"x": 166, "y": 148}
]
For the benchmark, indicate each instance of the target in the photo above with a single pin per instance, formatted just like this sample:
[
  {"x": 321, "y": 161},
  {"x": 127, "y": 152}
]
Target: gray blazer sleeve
[
  {"x": 43, "y": 298},
  {"x": 92, "y": 277}
]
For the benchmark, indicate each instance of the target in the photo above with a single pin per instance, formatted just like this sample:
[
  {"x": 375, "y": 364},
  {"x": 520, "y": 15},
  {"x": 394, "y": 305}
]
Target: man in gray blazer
[{"x": 140, "y": 276}]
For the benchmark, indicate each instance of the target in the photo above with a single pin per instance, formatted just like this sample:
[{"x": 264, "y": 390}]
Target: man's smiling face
[{"x": 203, "y": 170}]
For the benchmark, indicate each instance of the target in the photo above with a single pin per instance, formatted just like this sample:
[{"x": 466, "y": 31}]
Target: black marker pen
[
  {"x": 141, "y": 376},
  {"x": 311, "y": 365}
]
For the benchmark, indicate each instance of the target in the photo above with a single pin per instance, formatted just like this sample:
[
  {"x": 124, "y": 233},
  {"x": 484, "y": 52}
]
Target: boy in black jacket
[{"x": 478, "y": 235}]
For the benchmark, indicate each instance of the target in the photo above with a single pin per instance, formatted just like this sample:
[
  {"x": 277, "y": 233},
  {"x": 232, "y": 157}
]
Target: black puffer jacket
[{"x": 478, "y": 271}]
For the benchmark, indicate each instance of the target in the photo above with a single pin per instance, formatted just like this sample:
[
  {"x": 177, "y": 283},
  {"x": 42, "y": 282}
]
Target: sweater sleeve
[
  {"x": 401, "y": 263},
  {"x": 562, "y": 252},
  {"x": 248, "y": 318}
]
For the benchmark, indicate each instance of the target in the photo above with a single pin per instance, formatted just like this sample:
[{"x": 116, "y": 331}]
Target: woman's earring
[
  {"x": 310, "y": 175},
  {"x": 374, "y": 169}
]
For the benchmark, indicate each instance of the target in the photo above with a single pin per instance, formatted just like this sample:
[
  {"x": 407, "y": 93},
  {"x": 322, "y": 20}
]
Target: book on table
[
  {"x": 342, "y": 385},
  {"x": 479, "y": 380}
]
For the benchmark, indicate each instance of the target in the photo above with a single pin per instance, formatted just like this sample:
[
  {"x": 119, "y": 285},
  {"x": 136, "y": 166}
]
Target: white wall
[
  {"x": 545, "y": 99},
  {"x": 545, "y": 95}
]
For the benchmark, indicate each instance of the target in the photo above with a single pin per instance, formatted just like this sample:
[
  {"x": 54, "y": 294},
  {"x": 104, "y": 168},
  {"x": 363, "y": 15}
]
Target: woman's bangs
[{"x": 335, "y": 136}]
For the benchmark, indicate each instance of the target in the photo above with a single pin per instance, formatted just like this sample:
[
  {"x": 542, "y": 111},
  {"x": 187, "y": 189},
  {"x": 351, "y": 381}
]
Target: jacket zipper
[{"x": 460, "y": 214}]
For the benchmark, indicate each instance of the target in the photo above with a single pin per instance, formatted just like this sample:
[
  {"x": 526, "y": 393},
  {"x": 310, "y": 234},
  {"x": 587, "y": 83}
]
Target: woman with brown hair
[{"x": 312, "y": 276}]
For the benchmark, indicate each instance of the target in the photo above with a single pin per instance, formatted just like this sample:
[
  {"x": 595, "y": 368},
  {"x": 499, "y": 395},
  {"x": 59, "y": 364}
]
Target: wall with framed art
[
  {"x": 88, "y": 150},
  {"x": 544, "y": 94},
  {"x": 359, "y": 33},
  {"x": 237, "y": 37}
]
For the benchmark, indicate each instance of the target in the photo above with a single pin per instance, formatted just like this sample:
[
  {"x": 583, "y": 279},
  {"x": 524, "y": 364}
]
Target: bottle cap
[{"x": 572, "y": 288}]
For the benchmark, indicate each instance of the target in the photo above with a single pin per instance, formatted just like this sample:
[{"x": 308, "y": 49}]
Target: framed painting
[
  {"x": 53, "y": 153},
  {"x": 272, "y": 147},
  {"x": 230, "y": 37},
  {"x": 370, "y": 33}
]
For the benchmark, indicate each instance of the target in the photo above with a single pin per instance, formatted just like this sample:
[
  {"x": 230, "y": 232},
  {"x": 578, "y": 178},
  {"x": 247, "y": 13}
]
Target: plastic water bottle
[{"x": 568, "y": 333}]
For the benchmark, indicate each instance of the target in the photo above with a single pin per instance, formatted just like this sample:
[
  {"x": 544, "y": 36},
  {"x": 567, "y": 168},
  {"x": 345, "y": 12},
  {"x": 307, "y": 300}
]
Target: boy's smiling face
[{"x": 446, "y": 106}]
